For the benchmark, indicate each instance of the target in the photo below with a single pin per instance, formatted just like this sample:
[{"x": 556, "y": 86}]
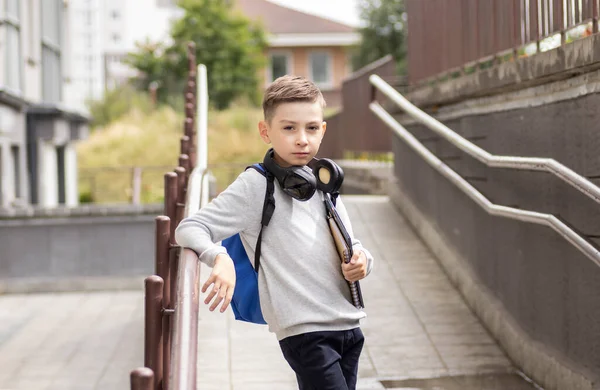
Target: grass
[{"x": 152, "y": 140}]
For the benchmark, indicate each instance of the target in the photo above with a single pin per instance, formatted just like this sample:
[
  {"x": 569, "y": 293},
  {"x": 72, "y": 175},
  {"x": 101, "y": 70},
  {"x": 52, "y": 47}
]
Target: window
[
  {"x": 51, "y": 51},
  {"x": 13, "y": 45},
  {"x": 31, "y": 44},
  {"x": 13, "y": 57},
  {"x": 114, "y": 14},
  {"x": 12, "y": 9},
  {"x": 116, "y": 38},
  {"x": 320, "y": 68},
  {"x": 60, "y": 174},
  {"x": 280, "y": 65},
  {"x": 16, "y": 170}
]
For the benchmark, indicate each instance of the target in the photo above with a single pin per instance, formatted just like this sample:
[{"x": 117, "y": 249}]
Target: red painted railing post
[
  {"x": 142, "y": 379},
  {"x": 153, "y": 345}
]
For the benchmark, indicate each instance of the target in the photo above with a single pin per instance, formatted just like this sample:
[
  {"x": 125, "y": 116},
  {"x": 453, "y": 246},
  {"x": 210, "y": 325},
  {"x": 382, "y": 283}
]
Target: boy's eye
[
  {"x": 288, "y": 128},
  {"x": 313, "y": 128}
]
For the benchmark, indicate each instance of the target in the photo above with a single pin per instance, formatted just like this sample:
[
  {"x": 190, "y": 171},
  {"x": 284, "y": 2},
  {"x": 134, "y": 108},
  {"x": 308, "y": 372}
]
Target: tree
[
  {"x": 231, "y": 47},
  {"x": 155, "y": 69},
  {"x": 384, "y": 33}
]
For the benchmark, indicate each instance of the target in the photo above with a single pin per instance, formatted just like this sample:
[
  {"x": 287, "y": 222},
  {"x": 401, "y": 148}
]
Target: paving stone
[{"x": 417, "y": 327}]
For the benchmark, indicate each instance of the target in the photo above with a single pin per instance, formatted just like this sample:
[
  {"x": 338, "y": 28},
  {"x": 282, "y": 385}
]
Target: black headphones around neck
[{"x": 301, "y": 182}]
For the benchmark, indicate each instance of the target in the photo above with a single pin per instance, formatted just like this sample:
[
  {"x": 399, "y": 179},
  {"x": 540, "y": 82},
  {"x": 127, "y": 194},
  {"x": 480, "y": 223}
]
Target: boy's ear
[
  {"x": 324, "y": 128},
  {"x": 262, "y": 130}
]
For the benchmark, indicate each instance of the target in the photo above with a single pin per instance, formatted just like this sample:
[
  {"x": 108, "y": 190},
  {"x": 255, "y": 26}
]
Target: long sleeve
[
  {"x": 227, "y": 214},
  {"x": 300, "y": 281}
]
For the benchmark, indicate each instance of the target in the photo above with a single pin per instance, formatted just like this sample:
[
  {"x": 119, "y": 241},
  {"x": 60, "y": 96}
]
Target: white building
[
  {"x": 87, "y": 76},
  {"x": 104, "y": 31},
  {"x": 38, "y": 163}
]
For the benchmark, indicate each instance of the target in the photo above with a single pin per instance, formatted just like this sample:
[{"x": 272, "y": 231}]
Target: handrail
[
  {"x": 184, "y": 338},
  {"x": 185, "y": 327},
  {"x": 521, "y": 163},
  {"x": 503, "y": 161}
]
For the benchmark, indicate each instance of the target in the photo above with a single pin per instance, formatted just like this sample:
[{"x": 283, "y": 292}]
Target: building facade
[
  {"x": 86, "y": 81},
  {"x": 305, "y": 45},
  {"x": 103, "y": 33},
  {"x": 38, "y": 162}
]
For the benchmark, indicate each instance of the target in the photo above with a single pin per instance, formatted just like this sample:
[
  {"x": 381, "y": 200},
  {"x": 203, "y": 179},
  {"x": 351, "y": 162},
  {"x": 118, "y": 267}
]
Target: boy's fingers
[
  {"x": 352, "y": 266},
  {"x": 354, "y": 275},
  {"x": 213, "y": 292},
  {"x": 227, "y": 299},
  {"x": 217, "y": 300},
  {"x": 208, "y": 283}
]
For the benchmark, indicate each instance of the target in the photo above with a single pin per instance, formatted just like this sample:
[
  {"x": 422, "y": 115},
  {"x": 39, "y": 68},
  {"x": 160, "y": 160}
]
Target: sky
[
  {"x": 147, "y": 21},
  {"x": 345, "y": 11}
]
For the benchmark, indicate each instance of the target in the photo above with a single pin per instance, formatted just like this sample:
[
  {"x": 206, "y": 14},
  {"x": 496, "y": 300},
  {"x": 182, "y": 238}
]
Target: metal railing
[
  {"x": 470, "y": 33},
  {"x": 354, "y": 128},
  {"x": 184, "y": 340},
  {"x": 518, "y": 163},
  {"x": 171, "y": 295},
  {"x": 120, "y": 184}
]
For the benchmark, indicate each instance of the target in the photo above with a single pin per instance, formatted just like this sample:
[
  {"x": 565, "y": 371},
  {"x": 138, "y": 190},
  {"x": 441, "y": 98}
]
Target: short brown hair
[{"x": 288, "y": 89}]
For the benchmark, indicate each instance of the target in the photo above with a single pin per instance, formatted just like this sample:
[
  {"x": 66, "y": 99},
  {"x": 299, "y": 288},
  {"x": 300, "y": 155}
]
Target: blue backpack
[{"x": 245, "y": 302}]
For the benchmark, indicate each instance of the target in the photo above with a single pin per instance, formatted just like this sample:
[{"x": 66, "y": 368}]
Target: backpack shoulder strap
[{"x": 268, "y": 209}]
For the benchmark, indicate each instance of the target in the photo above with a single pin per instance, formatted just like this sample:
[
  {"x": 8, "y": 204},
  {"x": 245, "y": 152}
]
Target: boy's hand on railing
[
  {"x": 222, "y": 279},
  {"x": 356, "y": 269}
]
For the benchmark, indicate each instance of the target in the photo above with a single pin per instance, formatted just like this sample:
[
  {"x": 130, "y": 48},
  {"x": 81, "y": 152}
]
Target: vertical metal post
[
  {"x": 191, "y": 55},
  {"x": 136, "y": 185},
  {"x": 153, "y": 346},
  {"x": 184, "y": 162},
  {"x": 171, "y": 201},
  {"x": 174, "y": 266},
  {"x": 189, "y": 131},
  {"x": 190, "y": 97},
  {"x": 184, "y": 145},
  {"x": 161, "y": 239},
  {"x": 142, "y": 379},
  {"x": 189, "y": 110},
  {"x": 181, "y": 172},
  {"x": 168, "y": 319},
  {"x": 166, "y": 357},
  {"x": 170, "y": 210}
]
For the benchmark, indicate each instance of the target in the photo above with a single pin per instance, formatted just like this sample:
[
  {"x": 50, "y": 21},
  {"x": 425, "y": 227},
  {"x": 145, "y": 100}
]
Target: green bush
[
  {"x": 116, "y": 103},
  {"x": 86, "y": 197}
]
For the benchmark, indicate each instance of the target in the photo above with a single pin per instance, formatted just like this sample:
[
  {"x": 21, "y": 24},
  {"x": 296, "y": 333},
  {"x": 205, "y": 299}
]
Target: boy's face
[{"x": 295, "y": 132}]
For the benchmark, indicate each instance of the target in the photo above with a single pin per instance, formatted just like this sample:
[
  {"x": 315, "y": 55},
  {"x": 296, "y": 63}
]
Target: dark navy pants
[{"x": 324, "y": 360}]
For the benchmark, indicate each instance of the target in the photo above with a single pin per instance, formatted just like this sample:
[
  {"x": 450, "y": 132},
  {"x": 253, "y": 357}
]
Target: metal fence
[
  {"x": 535, "y": 260},
  {"x": 355, "y": 130},
  {"x": 454, "y": 36},
  {"x": 142, "y": 184},
  {"x": 121, "y": 184},
  {"x": 171, "y": 295}
]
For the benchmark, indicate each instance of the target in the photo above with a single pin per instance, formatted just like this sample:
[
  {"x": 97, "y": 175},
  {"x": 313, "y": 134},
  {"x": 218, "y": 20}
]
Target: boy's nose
[{"x": 301, "y": 140}]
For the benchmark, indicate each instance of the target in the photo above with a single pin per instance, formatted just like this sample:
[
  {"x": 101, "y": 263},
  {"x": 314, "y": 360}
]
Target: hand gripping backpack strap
[{"x": 268, "y": 209}]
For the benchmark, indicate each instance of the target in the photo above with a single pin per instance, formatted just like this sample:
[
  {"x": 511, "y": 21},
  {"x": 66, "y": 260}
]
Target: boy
[{"x": 303, "y": 289}]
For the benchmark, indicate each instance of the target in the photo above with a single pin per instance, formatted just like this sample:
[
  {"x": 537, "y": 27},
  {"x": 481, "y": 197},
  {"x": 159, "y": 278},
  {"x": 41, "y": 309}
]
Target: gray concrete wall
[
  {"x": 76, "y": 249},
  {"x": 536, "y": 293}
]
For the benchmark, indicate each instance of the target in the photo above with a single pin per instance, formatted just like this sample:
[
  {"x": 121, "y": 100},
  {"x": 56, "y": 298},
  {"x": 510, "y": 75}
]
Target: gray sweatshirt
[{"x": 300, "y": 281}]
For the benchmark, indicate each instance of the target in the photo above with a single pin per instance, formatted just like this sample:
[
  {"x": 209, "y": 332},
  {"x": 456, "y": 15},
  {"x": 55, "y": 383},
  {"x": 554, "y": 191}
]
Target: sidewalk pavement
[{"x": 418, "y": 326}]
